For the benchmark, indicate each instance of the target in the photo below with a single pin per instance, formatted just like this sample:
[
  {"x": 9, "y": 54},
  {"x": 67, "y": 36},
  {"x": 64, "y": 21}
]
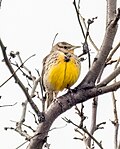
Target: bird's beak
[{"x": 73, "y": 48}]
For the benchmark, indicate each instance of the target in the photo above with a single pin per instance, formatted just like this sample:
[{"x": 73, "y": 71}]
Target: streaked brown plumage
[{"x": 61, "y": 69}]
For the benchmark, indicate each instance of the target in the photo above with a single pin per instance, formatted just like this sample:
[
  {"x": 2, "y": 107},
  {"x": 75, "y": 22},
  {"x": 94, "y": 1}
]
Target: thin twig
[
  {"x": 16, "y": 71},
  {"x": 24, "y": 74},
  {"x": 34, "y": 117},
  {"x": 85, "y": 130},
  {"x": 22, "y": 133},
  {"x": 17, "y": 80},
  {"x": 116, "y": 121},
  {"x": 112, "y": 76},
  {"x": 8, "y": 105},
  {"x": 24, "y": 125},
  {"x": 85, "y": 44},
  {"x": 77, "y": 12},
  {"x": 81, "y": 114},
  {"x": 23, "y": 66},
  {"x": 21, "y": 144},
  {"x": 113, "y": 51},
  {"x": 0, "y": 3},
  {"x": 93, "y": 120},
  {"x": 108, "y": 61},
  {"x": 22, "y": 119},
  {"x": 54, "y": 128},
  {"x": 29, "y": 127},
  {"x": 98, "y": 126},
  {"x": 90, "y": 39},
  {"x": 42, "y": 91},
  {"x": 54, "y": 39}
]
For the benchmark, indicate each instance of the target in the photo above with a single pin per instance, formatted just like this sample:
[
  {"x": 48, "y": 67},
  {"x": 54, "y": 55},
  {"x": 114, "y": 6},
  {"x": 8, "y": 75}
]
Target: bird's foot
[{"x": 41, "y": 117}]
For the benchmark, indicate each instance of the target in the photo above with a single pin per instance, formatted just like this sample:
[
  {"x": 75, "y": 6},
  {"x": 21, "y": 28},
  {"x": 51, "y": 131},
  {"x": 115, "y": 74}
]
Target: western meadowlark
[{"x": 61, "y": 69}]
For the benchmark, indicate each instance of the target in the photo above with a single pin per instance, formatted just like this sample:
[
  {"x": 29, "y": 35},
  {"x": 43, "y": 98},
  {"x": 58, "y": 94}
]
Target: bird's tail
[{"x": 50, "y": 96}]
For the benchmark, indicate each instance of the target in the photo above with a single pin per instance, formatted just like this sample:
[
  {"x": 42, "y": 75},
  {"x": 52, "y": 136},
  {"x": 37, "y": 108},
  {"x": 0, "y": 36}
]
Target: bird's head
[{"x": 64, "y": 47}]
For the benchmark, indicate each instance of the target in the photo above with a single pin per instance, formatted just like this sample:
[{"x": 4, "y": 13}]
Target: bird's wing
[{"x": 43, "y": 71}]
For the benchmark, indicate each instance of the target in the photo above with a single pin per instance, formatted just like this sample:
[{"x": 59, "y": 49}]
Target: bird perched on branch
[{"x": 61, "y": 69}]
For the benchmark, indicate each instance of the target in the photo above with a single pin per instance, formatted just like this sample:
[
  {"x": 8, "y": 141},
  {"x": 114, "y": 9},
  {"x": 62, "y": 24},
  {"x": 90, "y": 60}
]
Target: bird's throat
[{"x": 67, "y": 57}]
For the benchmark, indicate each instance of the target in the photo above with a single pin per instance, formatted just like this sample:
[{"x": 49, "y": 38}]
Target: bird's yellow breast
[{"x": 63, "y": 74}]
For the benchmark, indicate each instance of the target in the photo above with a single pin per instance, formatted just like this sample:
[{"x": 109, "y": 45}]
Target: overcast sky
[{"x": 29, "y": 26}]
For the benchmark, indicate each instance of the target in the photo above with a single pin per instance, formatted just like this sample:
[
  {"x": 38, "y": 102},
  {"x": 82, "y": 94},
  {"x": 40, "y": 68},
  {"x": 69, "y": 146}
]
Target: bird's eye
[{"x": 65, "y": 47}]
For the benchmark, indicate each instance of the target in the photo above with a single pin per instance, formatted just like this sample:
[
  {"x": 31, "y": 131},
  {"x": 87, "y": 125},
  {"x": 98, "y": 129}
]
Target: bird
[{"x": 61, "y": 69}]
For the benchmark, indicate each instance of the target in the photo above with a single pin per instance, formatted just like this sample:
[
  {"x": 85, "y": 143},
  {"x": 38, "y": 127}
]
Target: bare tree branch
[
  {"x": 23, "y": 66},
  {"x": 104, "y": 50},
  {"x": 8, "y": 105},
  {"x": 112, "y": 76},
  {"x": 77, "y": 12},
  {"x": 90, "y": 39},
  {"x": 82, "y": 94},
  {"x": 17, "y": 80},
  {"x": 93, "y": 120},
  {"x": 22, "y": 133},
  {"x": 84, "y": 130},
  {"x": 54, "y": 39},
  {"x": 0, "y": 3},
  {"x": 111, "y": 11},
  {"x": 85, "y": 91},
  {"x": 63, "y": 103},
  {"x": 16, "y": 70},
  {"x": 101, "y": 57},
  {"x": 115, "y": 122},
  {"x": 113, "y": 51}
]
